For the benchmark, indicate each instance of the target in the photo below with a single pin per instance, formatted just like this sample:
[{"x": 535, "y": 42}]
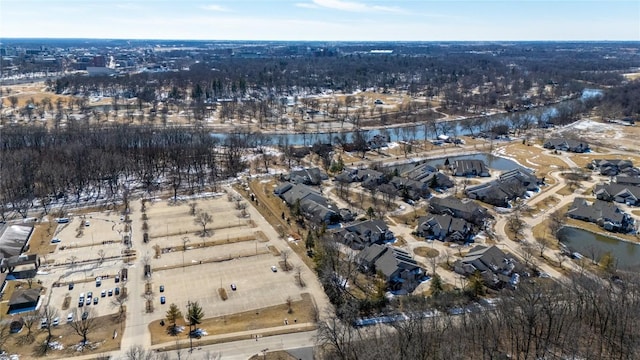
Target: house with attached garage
[
  {"x": 611, "y": 167},
  {"x": 464, "y": 209},
  {"x": 627, "y": 180},
  {"x": 312, "y": 204},
  {"x": 396, "y": 266},
  {"x": 494, "y": 265},
  {"x": 468, "y": 168},
  {"x": 567, "y": 145},
  {"x": 621, "y": 193},
  {"x": 444, "y": 228},
  {"x": 509, "y": 186},
  {"x": 312, "y": 176},
  {"x": 360, "y": 235},
  {"x": 605, "y": 214}
]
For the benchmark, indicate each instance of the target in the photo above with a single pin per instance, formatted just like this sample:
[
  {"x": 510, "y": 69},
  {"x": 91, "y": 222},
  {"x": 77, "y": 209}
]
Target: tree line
[{"x": 42, "y": 167}]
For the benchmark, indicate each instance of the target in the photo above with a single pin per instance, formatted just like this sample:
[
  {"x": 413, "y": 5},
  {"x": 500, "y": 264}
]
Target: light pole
[
  {"x": 185, "y": 240},
  {"x": 264, "y": 352}
]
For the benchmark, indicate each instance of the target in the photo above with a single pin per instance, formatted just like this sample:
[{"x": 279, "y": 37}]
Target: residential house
[
  {"x": 621, "y": 193},
  {"x": 494, "y": 265},
  {"x": 509, "y": 186},
  {"x": 396, "y": 266},
  {"x": 445, "y": 228},
  {"x": 312, "y": 176},
  {"x": 364, "y": 233},
  {"x": 410, "y": 189},
  {"x": 627, "y": 180},
  {"x": 567, "y": 145},
  {"x": 468, "y": 168},
  {"x": 610, "y": 167},
  {"x": 465, "y": 209},
  {"x": 313, "y": 205},
  {"x": 378, "y": 141},
  {"x": 605, "y": 214}
]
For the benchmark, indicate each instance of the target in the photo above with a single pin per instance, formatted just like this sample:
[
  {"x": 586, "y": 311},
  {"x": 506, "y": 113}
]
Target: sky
[{"x": 323, "y": 20}]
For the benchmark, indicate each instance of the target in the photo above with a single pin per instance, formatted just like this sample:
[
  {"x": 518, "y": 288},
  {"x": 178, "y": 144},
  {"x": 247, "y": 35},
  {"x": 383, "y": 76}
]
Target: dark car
[
  {"x": 70, "y": 286},
  {"x": 95, "y": 301},
  {"x": 162, "y": 300},
  {"x": 117, "y": 291},
  {"x": 85, "y": 315},
  {"x": 233, "y": 287},
  {"x": 161, "y": 288}
]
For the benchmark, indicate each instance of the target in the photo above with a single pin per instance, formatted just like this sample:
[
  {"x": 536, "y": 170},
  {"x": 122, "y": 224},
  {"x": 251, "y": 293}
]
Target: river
[{"x": 417, "y": 131}]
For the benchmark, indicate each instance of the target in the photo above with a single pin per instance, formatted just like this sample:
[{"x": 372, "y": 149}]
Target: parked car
[
  {"x": 110, "y": 292},
  {"x": 233, "y": 287},
  {"x": 55, "y": 240},
  {"x": 116, "y": 291},
  {"x": 103, "y": 293},
  {"x": 89, "y": 294},
  {"x": 88, "y": 301},
  {"x": 70, "y": 317},
  {"x": 43, "y": 323},
  {"x": 163, "y": 300},
  {"x": 95, "y": 301},
  {"x": 85, "y": 315},
  {"x": 98, "y": 281},
  {"x": 70, "y": 286},
  {"x": 56, "y": 321},
  {"x": 161, "y": 288},
  {"x": 274, "y": 268}
]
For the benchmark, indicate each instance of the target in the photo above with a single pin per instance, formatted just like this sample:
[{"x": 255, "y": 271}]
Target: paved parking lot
[{"x": 257, "y": 285}]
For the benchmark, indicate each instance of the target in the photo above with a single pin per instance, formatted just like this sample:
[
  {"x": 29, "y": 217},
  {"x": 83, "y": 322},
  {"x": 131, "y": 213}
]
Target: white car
[{"x": 274, "y": 269}]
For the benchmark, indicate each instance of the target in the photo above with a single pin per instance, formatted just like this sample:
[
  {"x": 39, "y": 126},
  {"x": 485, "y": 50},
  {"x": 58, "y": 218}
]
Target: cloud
[
  {"x": 351, "y": 6},
  {"x": 307, "y": 5},
  {"x": 214, "y": 7}
]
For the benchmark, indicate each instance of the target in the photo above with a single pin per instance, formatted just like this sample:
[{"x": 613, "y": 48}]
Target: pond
[
  {"x": 587, "y": 243},
  {"x": 492, "y": 161}
]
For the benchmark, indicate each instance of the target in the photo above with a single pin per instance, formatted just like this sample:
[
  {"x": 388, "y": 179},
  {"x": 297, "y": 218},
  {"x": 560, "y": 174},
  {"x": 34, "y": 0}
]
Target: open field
[{"x": 302, "y": 311}]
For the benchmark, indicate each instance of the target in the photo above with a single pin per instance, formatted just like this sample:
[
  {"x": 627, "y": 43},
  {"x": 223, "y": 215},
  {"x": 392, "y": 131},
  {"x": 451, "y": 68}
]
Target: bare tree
[
  {"x": 119, "y": 302},
  {"x": 193, "y": 210},
  {"x": 285, "y": 254},
  {"x": 203, "y": 219},
  {"x": 85, "y": 323},
  {"x": 542, "y": 243},
  {"x": 101, "y": 256},
  {"x": 48, "y": 313}
]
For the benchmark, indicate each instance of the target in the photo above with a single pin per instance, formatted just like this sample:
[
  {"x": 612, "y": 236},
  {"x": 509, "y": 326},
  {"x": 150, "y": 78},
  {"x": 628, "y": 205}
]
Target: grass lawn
[
  {"x": 303, "y": 310},
  {"x": 536, "y": 158},
  {"x": 101, "y": 338},
  {"x": 40, "y": 242},
  {"x": 426, "y": 252}
]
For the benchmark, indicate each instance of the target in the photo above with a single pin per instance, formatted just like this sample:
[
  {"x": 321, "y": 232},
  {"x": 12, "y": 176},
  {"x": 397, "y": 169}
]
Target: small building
[
  {"x": 311, "y": 176},
  {"x": 24, "y": 300},
  {"x": 10, "y": 264}
]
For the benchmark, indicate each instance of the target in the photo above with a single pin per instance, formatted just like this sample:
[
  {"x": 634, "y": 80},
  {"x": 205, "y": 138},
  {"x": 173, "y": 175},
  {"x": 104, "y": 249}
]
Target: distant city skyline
[{"x": 323, "y": 20}]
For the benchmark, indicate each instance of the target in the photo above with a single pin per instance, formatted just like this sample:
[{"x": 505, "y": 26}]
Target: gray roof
[
  {"x": 469, "y": 166},
  {"x": 566, "y": 143},
  {"x": 394, "y": 259},
  {"x": 485, "y": 258},
  {"x": 454, "y": 203},
  {"x": 13, "y": 239},
  {"x": 630, "y": 180},
  {"x": 596, "y": 211},
  {"x": 24, "y": 296},
  {"x": 617, "y": 189}
]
